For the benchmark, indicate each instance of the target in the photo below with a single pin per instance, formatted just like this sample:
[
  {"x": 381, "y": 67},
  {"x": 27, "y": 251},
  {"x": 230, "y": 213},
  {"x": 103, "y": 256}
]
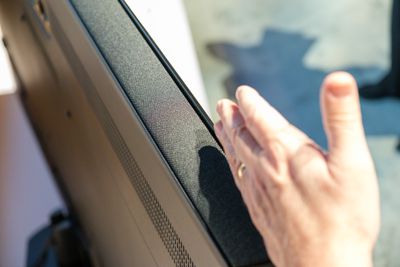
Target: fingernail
[
  {"x": 340, "y": 91},
  {"x": 240, "y": 91},
  {"x": 340, "y": 84},
  {"x": 237, "y": 119}
]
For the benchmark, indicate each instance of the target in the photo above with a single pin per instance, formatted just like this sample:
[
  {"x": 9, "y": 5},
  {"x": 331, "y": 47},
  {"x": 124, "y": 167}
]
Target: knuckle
[
  {"x": 326, "y": 186},
  {"x": 308, "y": 161},
  {"x": 344, "y": 119},
  {"x": 278, "y": 184},
  {"x": 234, "y": 163},
  {"x": 273, "y": 155},
  {"x": 253, "y": 118},
  {"x": 230, "y": 151},
  {"x": 237, "y": 134},
  {"x": 274, "y": 179},
  {"x": 254, "y": 214}
]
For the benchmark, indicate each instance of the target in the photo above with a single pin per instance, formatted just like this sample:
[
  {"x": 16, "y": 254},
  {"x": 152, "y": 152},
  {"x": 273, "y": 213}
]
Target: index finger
[{"x": 265, "y": 123}]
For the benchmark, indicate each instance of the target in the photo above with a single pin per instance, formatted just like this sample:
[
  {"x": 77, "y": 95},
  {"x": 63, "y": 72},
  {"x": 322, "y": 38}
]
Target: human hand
[{"x": 312, "y": 208}]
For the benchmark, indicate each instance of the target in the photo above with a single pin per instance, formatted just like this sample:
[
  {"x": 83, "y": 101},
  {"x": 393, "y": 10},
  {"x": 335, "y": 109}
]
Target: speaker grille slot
[
  {"x": 163, "y": 226},
  {"x": 153, "y": 208}
]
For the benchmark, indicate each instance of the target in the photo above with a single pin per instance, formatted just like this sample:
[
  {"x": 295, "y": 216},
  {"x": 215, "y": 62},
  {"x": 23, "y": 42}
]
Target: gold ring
[{"x": 241, "y": 170}]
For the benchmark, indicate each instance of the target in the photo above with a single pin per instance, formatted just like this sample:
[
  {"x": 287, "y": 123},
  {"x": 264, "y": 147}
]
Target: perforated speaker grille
[
  {"x": 163, "y": 226},
  {"x": 153, "y": 208}
]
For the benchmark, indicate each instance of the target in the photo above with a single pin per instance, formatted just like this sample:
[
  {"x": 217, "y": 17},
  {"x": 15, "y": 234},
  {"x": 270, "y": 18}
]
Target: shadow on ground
[{"x": 275, "y": 67}]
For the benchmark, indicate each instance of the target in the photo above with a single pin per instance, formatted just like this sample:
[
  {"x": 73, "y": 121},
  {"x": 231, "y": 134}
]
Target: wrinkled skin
[{"x": 312, "y": 208}]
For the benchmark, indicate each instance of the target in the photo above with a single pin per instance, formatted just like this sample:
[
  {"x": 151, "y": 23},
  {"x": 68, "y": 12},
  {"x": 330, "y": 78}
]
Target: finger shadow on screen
[{"x": 228, "y": 219}]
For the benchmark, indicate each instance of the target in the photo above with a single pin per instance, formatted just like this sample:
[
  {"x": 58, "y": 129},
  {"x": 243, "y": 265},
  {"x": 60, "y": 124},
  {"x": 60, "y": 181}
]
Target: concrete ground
[{"x": 284, "y": 49}]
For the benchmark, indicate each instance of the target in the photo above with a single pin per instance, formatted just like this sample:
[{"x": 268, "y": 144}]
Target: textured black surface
[{"x": 182, "y": 137}]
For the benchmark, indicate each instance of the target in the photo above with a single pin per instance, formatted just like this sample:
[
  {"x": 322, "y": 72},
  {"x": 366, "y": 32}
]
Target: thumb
[{"x": 341, "y": 114}]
